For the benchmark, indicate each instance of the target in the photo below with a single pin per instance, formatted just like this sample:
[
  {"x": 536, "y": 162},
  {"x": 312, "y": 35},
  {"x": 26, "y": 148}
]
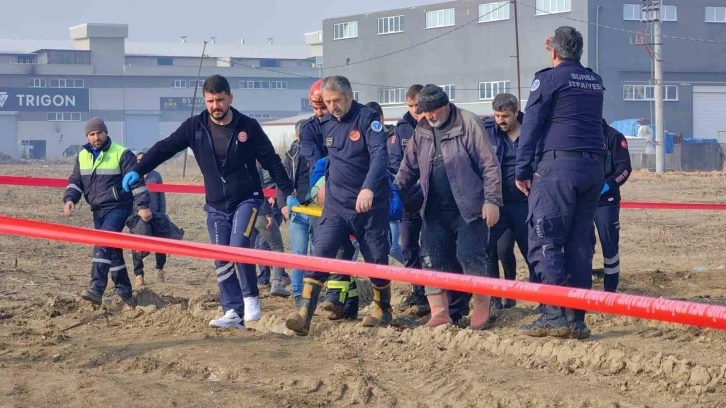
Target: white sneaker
[
  {"x": 230, "y": 319},
  {"x": 252, "y": 309}
]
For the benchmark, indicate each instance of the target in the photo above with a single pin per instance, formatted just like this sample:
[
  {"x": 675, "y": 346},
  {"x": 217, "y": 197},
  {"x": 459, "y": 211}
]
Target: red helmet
[{"x": 315, "y": 96}]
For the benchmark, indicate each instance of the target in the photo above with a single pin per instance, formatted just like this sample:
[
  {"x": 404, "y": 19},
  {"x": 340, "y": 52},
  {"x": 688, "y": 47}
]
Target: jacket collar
[{"x": 103, "y": 148}]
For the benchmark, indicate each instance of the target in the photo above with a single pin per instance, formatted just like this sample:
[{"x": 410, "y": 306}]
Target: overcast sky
[{"x": 167, "y": 20}]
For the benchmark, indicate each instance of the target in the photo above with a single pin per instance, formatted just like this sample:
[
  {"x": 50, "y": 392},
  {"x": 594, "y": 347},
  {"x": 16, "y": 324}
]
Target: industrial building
[
  {"x": 143, "y": 90},
  {"x": 470, "y": 48}
]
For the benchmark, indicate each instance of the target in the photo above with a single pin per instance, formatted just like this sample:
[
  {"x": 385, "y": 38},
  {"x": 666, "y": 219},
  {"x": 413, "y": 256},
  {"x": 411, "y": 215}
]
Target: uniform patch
[
  {"x": 242, "y": 136},
  {"x": 623, "y": 144},
  {"x": 535, "y": 85},
  {"x": 393, "y": 139},
  {"x": 354, "y": 135},
  {"x": 404, "y": 142},
  {"x": 376, "y": 126},
  {"x": 328, "y": 141}
]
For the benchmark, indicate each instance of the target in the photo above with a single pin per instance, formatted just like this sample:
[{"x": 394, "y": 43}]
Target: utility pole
[
  {"x": 652, "y": 11},
  {"x": 516, "y": 39},
  {"x": 194, "y": 101}
]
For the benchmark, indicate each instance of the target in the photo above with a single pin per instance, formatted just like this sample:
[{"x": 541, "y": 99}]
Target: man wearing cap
[
  {"x": 461, "y": 182},
  {"x": 357, "y": 192},
  {"x": 97, "y": 176}
]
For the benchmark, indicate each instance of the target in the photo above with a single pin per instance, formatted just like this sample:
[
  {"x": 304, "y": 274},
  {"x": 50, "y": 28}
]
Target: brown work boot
[
  {"x": 381, "y": 315},
  {"x": 139, "y": 282},
  {"x": 160, "y": 275},
  {"x": 439, "y": 310},
  {"x": 299, "y": 321}
]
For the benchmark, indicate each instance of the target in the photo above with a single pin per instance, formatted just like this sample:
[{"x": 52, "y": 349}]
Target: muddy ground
[{"x": 55, "y": 351}]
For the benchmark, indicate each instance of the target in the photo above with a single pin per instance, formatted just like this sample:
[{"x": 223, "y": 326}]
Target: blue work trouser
[
  {"x": 410, "y": 228},
  {"x": 562, "y": 202},
  {"x": 370, "y": 230},
  {"x": 234, "y": 229},
  {"x": 299, "y": 230},
  {"x": 107, "y": 259},
  {"x": 513, "y": 217}
]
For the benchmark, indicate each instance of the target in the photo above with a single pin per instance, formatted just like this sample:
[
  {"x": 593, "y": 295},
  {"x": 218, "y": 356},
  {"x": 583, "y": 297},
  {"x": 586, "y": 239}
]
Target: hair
[
  {"x": 413, "y": 91},
  {"x": 337, "y": 83},
  {"x": 505, "y": 101},
  {"x": 568, "y": 43},
  {"x": 216, "y": 84},
  {"x": 298, "y": 125},
  {"x": 376, "y": 107}
]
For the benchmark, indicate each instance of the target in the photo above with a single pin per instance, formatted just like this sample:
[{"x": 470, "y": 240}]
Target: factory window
[
  {"x": 36, "y": 82},
  {"x": 355, "y": 95},
  {"x": 26, "y": 59},
  {"x": 391, "y": 96},
  {"x": 66, "y": 83},
  {"x": 553, "y": 6},
  {"x": 634, "y": 12},
  {"x": 68, "y": 57},
  {"x": 345, "y": 30},
  {"x": 716, "y": 14},
  {"x": 669, "y": 13},
  {"x": 279, "y": 84},
  {"x": 178, "y": 83},
  {"x": 494, "y": 11},
  {"x": 64, "y": 116},
  {"x": 260, "y": 115},
  {"x": 199, "y": 84},
  {"x": 164, "y": 61},
  {"x": 647, "y": 92},
  {"x": 254, "y": 84},
  {"x": 450, "y": 91},
  {"x": 390, "y": 25},
  {"x": 440, "y": 18},
  {"x": 270, "y": 63},
  {"x": 488, "y": 90}
]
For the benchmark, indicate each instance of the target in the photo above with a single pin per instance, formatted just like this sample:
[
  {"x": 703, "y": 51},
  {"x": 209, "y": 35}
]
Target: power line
[{"x": 560, "y": 15}]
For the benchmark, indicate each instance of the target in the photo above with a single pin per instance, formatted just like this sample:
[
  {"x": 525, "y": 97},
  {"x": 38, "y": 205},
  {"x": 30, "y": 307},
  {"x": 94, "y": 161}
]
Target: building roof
[{"x": 167, "y": 49}]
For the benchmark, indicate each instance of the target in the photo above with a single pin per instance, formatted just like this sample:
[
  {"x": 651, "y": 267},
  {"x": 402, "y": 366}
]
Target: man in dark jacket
[
  {"x": 461, "y": 183},
  {"x": 161, "y": 226},
  {"x": 226, "y": 145},
  {"x": 97, "y": 176},
  {"x": 503, "y": 132},
  {"x": 607, "y": 215}
]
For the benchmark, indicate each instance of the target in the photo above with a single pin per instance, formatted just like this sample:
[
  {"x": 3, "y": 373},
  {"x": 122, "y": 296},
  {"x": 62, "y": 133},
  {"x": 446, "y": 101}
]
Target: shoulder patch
[
  {"x": 376, "y": 126},
  {"x": 393, "y": 139},
  {"x": 624, "y": 144},
  {"x": 535, "y": 85}
]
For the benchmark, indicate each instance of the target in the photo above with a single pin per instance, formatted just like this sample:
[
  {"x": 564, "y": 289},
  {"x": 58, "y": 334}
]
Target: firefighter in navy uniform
[
  {"x": 341, "y": 288},
  {"x": 357, "y": 191},
  {"x": 607, "y": 215},
  {"x": 562, "y": 128}
]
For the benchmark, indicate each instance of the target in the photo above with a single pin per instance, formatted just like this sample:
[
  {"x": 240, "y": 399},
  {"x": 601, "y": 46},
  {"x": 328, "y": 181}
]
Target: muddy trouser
[
  {"x": 107, "y": 259},
  {"x": 370, "y": 229},
  {"x": 138, "y": 258},
  {"x": 234, "y": 229},
  {"x": 410, "y": 228},
  {"x": 273, "y": 238},
  {"x": 448, "y": 240}
]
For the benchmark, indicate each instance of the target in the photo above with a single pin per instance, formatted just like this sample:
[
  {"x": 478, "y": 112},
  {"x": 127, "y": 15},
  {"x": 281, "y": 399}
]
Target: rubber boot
[
  {"x": 381, "y": 315},
  {"x": 480, "y": 312},
  {"x": 576, "y": 320},
  {"x": 299, "y": 321},
  {"x": 552, "y": 322},
  {"x": 439, "y": 310},
  {"x": 277, "y": 289}
]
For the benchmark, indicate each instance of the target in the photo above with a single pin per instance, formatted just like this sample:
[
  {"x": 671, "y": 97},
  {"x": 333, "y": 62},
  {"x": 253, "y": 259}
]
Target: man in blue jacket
[
  {"x": 226, "y": 145},
  {"x": 503, "y": 131}
]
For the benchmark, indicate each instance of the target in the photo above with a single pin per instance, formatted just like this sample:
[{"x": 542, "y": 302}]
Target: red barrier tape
[
  {"x": 270, "y": 192},
  {"x": 157, "y": 188},
  {"x": 666, "y": 310}
]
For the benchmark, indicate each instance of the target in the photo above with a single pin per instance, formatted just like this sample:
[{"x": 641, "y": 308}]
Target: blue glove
[
  {"x": 605, "y": 189},
  {"x": 292, "y": 201},
  {"x": 129, "y": 179}
]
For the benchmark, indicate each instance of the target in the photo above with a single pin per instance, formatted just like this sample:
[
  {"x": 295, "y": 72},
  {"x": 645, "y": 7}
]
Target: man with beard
[{"x": 226, "y": 145}]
